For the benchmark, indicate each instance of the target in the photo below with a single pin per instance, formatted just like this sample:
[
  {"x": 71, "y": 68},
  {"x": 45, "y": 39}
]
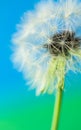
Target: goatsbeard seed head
[{"x": 62, "y": 43}]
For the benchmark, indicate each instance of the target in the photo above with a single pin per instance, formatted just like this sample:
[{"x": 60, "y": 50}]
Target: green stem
[{"x": 57, "y": 109}]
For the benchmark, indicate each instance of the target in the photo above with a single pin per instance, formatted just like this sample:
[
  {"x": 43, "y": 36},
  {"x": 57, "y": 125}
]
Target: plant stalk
[{"x": 57, "y": 107}]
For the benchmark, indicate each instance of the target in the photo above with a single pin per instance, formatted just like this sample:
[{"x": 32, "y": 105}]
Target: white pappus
[{"x": 47, "y": 43}]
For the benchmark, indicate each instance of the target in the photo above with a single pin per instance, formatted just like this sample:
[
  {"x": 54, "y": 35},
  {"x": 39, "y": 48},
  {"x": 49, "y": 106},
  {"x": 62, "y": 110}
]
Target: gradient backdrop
[{"x": 20, "y": 109}]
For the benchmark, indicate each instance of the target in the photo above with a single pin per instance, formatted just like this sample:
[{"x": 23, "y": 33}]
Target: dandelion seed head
[{"x": 47, "y": 44}]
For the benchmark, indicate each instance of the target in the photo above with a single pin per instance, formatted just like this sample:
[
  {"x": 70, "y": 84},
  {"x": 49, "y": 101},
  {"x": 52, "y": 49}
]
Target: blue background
[{"x": 20, "y": 109}]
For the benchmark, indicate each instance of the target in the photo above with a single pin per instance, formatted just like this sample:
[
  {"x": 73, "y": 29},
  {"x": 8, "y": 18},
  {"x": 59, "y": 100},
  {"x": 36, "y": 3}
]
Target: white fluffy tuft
[{"x": 34, "y": 31}]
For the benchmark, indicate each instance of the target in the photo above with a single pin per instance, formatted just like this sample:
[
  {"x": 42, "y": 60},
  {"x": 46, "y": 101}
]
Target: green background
[{"x": 35, "y": 113}]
